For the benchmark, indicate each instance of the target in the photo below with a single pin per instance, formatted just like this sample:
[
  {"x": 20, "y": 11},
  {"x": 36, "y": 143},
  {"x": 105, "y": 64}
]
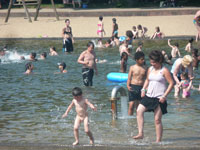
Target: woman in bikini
[{"x": 100, "y": 30}]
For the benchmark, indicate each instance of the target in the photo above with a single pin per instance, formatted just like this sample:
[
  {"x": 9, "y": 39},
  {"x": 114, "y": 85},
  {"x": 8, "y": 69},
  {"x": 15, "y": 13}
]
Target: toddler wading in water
[
  {"x": 185, "y": 84},
  {"x": 81, "y": 105}
]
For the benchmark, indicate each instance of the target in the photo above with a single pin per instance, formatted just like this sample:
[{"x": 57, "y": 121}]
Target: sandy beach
[{"x": 86, "y": 27}]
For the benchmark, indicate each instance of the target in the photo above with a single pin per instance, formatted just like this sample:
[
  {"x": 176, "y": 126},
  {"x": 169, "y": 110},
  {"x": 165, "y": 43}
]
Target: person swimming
[
  {"x": 29, "y": 68},
  {"x": 62, "y": 67}
]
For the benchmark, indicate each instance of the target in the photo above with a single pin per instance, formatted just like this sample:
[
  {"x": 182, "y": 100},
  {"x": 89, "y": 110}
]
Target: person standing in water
[
  {"x": 88, "y": 60},
  {"x": 81, "y": 105},
  {"x": 154, "y": 94},
  {"x": 136, "y": 78},
  {"x": 67, "y": 29}
]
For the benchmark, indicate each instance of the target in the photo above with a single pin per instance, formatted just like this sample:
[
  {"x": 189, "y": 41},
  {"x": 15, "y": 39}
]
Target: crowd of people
[{"x": 148, "y": 86}]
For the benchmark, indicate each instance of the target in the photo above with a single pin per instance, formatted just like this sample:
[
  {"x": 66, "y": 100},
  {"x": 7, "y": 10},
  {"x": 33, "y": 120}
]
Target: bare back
[{"x": 174, "y": 52}]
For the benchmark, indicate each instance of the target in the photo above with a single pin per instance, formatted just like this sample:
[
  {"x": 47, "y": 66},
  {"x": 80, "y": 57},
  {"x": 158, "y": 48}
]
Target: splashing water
[
  {"x": 124, "y": 107},
  {"x": 13, "y": 57}
]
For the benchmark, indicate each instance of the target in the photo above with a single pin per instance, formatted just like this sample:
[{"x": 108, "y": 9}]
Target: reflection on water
[{"x": 31, "y": 106}]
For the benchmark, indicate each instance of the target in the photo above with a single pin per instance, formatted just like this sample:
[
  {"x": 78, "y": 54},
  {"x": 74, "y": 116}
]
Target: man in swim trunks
[
  {"x": 88, "y": 60},
  {"x": 136, "y": 77}
]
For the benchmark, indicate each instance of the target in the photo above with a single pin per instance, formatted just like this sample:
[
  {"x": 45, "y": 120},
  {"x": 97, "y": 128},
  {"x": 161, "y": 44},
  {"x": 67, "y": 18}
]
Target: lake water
[{"x": 31, "y": 106}]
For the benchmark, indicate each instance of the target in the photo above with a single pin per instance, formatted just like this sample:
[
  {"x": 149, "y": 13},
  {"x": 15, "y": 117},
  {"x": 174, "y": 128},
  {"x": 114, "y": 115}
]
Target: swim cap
[{"x": 62, "y": 64}]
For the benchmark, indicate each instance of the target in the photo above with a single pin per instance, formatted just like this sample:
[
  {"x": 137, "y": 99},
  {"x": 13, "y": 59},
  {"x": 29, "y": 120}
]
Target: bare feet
[
  {"x": 139, "y": 136},
  {"x": 75, "y": 143},
  {"x": 92, "y": 142}
]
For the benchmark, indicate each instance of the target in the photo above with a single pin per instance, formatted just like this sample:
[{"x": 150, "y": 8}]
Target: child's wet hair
[
  {"x": 123, "y": 55},
  {"x": 185, "y": 75},
  {"x": 33, "y": 54},
  {"x": 28, "y": 66},
  {"x": 191, "y": 40},
  {"x": 100, "y": 18},
  {"x": 76, "y": 91},
  {"x": 63, "y": 65},
  {"x": 108, "y": 41},
  {"x": 176, "y": 44},
  {"x": 44, "y": 54},
  {"x": 139, "y": 55},
  {"x": 140, "y": 43},
  {"x": 134, "y": 27},
  {"x": 90, "y": 43},
  {"x": 195, "y": 52},
  {"x": 129, "y": 34},
  {"x": 139, "y": 26},
  {"x": 53, "y": 48},
  {"x": 156, "y": 56}
]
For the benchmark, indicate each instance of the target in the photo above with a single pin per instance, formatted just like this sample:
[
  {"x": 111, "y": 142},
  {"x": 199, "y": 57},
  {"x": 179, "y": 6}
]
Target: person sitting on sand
[
  {"x": 142, "y": 31},
  {"x": 81, "y": 105},
  {"x": 158, "y": 34},
  {"x": 53, "y": 51},
  {"x": 135, "y": 32}
]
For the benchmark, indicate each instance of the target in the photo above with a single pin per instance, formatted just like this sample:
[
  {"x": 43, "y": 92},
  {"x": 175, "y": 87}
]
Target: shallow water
[{"x": 32, "y": 105}]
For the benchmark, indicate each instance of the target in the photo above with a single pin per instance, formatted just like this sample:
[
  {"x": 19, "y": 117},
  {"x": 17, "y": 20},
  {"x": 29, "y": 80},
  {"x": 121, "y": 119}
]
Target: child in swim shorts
[{"x": 136, "y": 77}]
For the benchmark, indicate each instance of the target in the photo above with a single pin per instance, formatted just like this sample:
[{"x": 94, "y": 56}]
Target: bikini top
[
  {"x": 99, "y": 25},
  {"x": 185, "y": 83}
]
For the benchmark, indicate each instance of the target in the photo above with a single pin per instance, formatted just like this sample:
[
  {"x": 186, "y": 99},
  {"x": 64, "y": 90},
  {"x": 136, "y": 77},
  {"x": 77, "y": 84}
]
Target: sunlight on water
[{"x": 32, "y": 106}]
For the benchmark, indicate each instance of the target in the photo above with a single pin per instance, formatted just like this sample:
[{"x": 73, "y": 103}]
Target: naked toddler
[{"x": 80, "y": 104}]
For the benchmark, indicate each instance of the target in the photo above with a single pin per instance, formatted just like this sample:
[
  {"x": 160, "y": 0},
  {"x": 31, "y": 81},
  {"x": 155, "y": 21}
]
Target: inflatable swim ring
[
  {"x": 117, "y": 77},
  {"x": 122, "y": 38}
]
